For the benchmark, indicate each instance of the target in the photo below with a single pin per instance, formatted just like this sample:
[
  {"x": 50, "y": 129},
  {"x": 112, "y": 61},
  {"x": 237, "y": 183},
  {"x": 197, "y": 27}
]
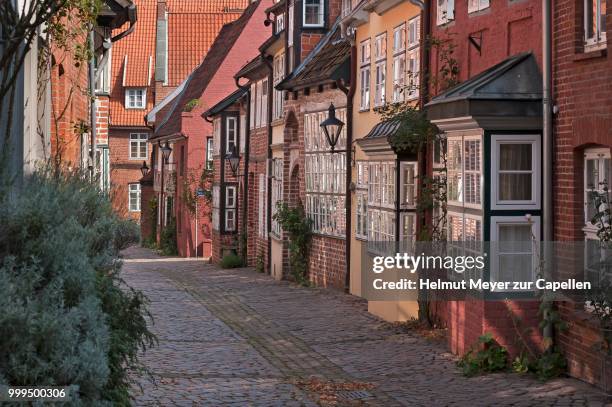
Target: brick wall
[
  {"x": 327, "y": 263},
  {"x": 124, "y": 170},
  {"x": 582, "y": 95}
]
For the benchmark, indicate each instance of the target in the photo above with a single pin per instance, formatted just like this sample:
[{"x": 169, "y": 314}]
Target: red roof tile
[{"x": 192, "y": 28}]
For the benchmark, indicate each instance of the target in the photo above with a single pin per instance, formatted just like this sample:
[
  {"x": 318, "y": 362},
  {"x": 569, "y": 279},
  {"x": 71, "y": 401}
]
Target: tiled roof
[
  {"x": 170, "y": 123},
  {"x": 139, "y": 47},
  {"x": 193, "y": 26},
  {"x": 190, "y": 36},
  {"x": 384, "y": 129},
  {"x": 329, "y": 61}
]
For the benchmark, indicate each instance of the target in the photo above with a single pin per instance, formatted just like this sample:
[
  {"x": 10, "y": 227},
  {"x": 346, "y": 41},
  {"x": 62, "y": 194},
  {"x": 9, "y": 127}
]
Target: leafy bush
[
  {"x": 299, "y": 228},
  {"x": 66, "y": 316},
  {"x": 167, "y": 243},
  {"x": 490, "y": 358},
  {"x": 231, "y": 261}
]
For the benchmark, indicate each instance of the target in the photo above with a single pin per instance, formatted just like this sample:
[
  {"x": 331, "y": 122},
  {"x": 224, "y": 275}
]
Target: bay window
[
  {"x": 277, "y": 193},
  {"x": 445, "y": 11},
  {"x": 361, "y": 195},
  {"x": 325, "y": 174},
  {"x": 594, "y": 24},
  {"x": 513, "y": 253},
  {"x": 399, "y": 63},
  {"x": 515, "y": 166},
  {"x": 365, "y": 74},
  {"x": 408, "y": 180},
  {"x": 313, "y": 13},
  {"x": 231, "y": 134},
  {"x": 216, "y": 207},
  {"x": 464, "y": 171},
  {"x": 229, "y": 210}
]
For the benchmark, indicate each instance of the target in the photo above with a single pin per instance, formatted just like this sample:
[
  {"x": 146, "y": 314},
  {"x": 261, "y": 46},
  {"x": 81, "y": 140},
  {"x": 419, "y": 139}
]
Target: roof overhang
[
  {"x": 167, "y": 138},
  {"x": 505, "y": 96},
  {"x": 225, "y": 103},
  {"x": 115, "y": 13}
]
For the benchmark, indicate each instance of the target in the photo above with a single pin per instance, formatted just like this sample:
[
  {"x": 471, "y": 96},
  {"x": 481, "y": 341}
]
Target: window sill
[
  {"x": 363, "y": 110},
  {"x": 590, "y": 54},
  {"x": 277, "y": 122}
]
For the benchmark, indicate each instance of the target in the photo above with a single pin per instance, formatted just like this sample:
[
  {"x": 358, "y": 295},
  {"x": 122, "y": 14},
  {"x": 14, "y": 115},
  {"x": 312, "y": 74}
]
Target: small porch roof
[
  {"x": 225, "y": 103},
  {"x": 511, "y": 89}
]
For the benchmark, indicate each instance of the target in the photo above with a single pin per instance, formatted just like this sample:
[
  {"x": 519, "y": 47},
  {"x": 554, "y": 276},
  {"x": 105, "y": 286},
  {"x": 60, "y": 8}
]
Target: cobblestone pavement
[{"x": 237, "y": 337}]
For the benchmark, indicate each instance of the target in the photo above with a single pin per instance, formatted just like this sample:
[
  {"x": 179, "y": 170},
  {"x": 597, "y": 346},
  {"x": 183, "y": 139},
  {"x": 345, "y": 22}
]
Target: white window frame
[
  {"x": 135, "y": 105},
  {"x": 264, "y": 103},
  {"x": 134, "y": 188},
  {"x": 463, "y": 217},
  {"x": 277, "y": 194},
  {"x": 477, "y": 5},
  {"x": 209, "y": 152},
  {"x": 445, "y": 11},
  {"x": 215, "y": 207},
  {"x": 413, "y": 26},
  {"x": 599, "y": 154},
  {"x": 280, "y": 23},
  {"x": 230, "y": 208},
  {"x": 496, "y": 222},
  {"x": 228, "y": 135},
  {"x": 413, "y": 71},
  {"x": 279, "y": 95},
  {"x": 138, "y": 139},
  {"x": 365, "y": 74},
  {"x": 463, "y": 139},
  {"x": 598, "y": 41},
  {"x": 403, "y": 217},
  {"x": 321, "y": 5},
  {"x": 404, "y": 184},
  {"x": 536, "y": 180}
]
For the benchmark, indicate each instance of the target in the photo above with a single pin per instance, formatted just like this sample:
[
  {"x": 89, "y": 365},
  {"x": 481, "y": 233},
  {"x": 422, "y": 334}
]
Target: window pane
[
  {"x": 515, "y": 157},
  {"x": 515, "y": 187}
]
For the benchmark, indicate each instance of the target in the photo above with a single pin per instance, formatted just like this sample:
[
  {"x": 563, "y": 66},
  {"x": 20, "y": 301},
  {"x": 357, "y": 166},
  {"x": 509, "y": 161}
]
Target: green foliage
[
  {"x": 260, "y": 265},
  {"x": 167, "y": 244},
  {"x": 491, "y": 357},
  {"x": 67, "y": 318},
  {"x": 520, "y": 364},
  {"x": 299, "y": 228},
  {"x": 231, "y": 261},
  {"x": 192, "y": 104},
  {"x": 414, "y": 131},
  {"x": 549, "y": 365},
  {"x": 448, "y": 72}
]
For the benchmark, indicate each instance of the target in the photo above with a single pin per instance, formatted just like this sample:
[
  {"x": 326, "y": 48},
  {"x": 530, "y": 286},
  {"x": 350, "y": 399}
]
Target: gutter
[
  {"x": 350, "y": 93},
  {"x": 247, "y": 151},
  {"x": 269, "y": 159},
  {"x": 547, "y": 136}
]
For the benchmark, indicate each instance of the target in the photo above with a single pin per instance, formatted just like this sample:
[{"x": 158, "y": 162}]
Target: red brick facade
[{"x": 582, "y": 95}]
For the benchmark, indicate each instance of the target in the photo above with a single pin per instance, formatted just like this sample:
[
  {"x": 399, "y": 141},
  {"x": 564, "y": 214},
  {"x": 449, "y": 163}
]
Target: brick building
[
  {"x": 178, "y": 121},
  {"x": 492, "y": 122},
  {"x": 166, "y": 45},
  {"x": 582, "y": 73}
]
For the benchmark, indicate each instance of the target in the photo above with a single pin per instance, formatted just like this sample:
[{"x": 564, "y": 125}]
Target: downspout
[
  {"x": 269, "y": 158},
  {"x": 247, "y": 151},
  {"x": 547, "y": 171},
  {"x": 92, "y": 101},
  {"x": 350, "y": 93}
]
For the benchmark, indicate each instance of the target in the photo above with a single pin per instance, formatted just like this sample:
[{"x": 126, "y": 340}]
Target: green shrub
[
  {"x": 490, "y": 358},
  {"x": 167, "y": 243},
  {"x": 231, "y": 261},
  {"x": 294, "y": 222},
  {"x": 66, "y": 316}
]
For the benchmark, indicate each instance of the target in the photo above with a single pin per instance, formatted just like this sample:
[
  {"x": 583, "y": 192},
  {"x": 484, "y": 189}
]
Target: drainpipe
[
  {"x": 547, "y": 209},
  {"x": 269, "y": 157},
  {"x": 350, "y": 93},
  {"x": 92, "y": 102},
  {"x": 247, "y": 152}
]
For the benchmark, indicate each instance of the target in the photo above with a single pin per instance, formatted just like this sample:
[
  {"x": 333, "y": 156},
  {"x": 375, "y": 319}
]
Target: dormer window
[
  {"x": 313, "y": 13},
  {"x": 280, "y": 23},
  {"x": 135, "y": 98}
]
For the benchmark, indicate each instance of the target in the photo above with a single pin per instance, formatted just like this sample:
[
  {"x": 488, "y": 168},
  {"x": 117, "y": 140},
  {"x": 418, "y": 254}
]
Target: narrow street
[{"x": 236, "y": 337}]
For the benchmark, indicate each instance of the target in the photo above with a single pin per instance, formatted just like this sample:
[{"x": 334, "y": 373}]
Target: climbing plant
[{"x": 294, "y": 222}]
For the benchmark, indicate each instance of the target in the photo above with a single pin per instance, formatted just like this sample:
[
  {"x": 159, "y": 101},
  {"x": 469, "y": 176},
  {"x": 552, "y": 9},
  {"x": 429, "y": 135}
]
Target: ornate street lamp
[
  {"x": 332, "y": 127},
  {"x": 166, "y": 150},
  {"x": 144, "y": 169},
  {"x": 234, "y": 159}
]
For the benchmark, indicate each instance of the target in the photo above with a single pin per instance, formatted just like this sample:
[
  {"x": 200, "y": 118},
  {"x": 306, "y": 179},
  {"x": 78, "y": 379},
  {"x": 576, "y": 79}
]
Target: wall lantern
[
  {"x": 234, "y": 159},
  {"x": 166, "y": 150},
  {"x": 144, "y": 169},
  {"x": 332, "y": 127}
]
